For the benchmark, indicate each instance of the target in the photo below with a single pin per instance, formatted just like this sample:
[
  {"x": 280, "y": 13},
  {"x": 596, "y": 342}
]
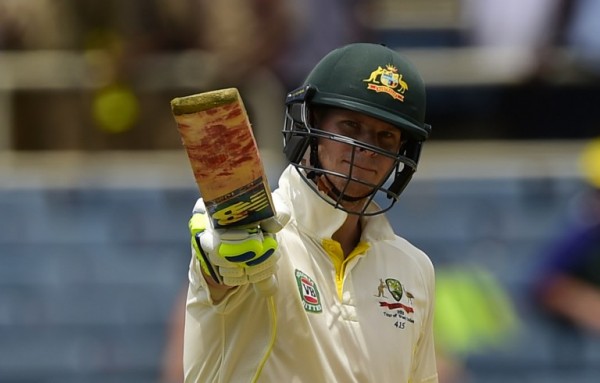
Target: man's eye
[
  {"x": 349, "y": 128},
  {"x": 350, "y": 124},
  {"x": 389, "y": 140}
]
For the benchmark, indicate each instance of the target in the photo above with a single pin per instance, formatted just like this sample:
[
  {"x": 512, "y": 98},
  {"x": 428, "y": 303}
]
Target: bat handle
[{"x": 266, "y": 287}]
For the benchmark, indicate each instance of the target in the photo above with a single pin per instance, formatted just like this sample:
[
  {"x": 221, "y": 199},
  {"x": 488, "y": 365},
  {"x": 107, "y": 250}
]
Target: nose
[
  {"x": 368, "y": 137},
  {"x": 367, "y": 152}
]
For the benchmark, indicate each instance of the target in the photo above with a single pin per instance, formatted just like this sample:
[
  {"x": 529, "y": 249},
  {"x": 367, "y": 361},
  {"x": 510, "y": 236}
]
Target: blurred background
[{"x": 96, "y": 190}]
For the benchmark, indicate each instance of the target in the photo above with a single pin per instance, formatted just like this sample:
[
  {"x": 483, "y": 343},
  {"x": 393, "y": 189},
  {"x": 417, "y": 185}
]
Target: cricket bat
[{"x": 217, "y": 135}]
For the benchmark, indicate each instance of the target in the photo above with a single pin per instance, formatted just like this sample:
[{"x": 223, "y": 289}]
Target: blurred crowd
[
  {"x": 244, "y": 35},
  {"x": 289, "y": 35},
  {"x": 538, "y": 27},
  {"x": 568, "y": 284},
  {"x": 264, "y": 47}
]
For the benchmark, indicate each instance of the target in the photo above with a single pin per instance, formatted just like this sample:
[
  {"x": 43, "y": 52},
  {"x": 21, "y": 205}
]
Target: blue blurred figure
[{"x": 569, "y": 284}]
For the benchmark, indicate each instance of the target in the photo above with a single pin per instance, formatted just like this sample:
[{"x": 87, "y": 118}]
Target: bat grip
[{"x": 266, "y": 287}]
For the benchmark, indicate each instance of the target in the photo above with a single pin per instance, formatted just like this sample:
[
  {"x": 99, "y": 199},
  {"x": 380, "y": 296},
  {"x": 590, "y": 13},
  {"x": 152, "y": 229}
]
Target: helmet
[{"x": 366, "y": 78}]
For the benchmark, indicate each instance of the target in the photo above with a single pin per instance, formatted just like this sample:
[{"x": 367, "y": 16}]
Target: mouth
[{"x": 360, "y": 167}]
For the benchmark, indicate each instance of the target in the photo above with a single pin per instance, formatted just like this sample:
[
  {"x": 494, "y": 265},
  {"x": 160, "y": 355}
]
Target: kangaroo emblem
[
  {"x": 381, "y": 289},
  {"x": 374, "y": 75}
]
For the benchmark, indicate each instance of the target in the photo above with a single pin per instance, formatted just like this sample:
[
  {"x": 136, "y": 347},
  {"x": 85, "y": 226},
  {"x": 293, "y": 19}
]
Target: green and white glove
[{"x": 236, "y": 257}]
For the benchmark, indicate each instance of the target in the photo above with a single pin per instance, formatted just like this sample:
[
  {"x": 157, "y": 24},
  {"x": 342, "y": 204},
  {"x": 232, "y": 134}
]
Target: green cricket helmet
[{"x": 366, "y": 78}]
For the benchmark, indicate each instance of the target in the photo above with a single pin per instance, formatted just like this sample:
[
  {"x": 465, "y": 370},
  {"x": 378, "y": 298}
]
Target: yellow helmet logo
[{"x": 387, "y": 80}]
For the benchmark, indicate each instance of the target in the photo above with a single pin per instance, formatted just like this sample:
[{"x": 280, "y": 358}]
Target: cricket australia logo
[
  {"x": 308, "y": 292},
  {"x": 387, "y": 80},
  {"x": 400, "y": 312}
]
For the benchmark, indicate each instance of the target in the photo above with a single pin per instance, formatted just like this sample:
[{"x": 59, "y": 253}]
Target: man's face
[{"x": 369, "y": 166}]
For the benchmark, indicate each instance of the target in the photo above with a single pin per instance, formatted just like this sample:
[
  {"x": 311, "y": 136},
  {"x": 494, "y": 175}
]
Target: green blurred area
[{"x": 474, "y": 312}]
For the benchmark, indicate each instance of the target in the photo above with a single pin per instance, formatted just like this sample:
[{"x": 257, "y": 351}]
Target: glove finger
[
  {"x": 230, "y": 281},
  {"x": 209, "y": 240},
  {"x": 264, "y": 274},
  {"x": 241, "y": 251},
  {"x": 269, "y": 245},
  {"x": 231, "y": 272},
  {"x": 237, "y": 234},
  {"x": 217, "y": 260},
  {"x": 271, "y": 225},
  {"x": 266, "y": 264}
]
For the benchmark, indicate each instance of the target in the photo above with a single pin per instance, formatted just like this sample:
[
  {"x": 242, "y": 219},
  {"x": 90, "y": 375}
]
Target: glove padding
[{"x": 236, "y": 257}]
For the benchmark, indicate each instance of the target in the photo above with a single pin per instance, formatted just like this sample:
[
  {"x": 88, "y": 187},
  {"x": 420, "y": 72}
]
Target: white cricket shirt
[{"x": 364, "y": 319}]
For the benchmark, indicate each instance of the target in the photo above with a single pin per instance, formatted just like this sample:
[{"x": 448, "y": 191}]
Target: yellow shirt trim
[{"x": 334, "y": 249}]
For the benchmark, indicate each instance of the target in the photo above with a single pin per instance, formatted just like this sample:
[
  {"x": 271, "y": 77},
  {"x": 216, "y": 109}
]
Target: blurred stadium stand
[{"x": 475, "y": 90}]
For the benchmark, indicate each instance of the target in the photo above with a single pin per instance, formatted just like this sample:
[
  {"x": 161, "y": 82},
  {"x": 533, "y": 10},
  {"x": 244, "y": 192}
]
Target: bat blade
[{"x": 217, "y": 135}]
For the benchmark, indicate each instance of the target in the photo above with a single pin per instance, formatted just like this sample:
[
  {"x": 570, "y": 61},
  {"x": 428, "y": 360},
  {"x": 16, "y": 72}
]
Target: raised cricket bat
[{"x": 216, "y": 133}]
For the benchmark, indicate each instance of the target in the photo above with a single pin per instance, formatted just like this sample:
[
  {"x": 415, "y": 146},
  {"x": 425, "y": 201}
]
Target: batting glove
[{"x": 236, "y": 257}]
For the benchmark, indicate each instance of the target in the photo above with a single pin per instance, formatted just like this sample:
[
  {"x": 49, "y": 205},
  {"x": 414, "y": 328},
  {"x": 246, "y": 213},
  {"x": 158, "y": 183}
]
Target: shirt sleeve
[{"x": 425, "y": 368}]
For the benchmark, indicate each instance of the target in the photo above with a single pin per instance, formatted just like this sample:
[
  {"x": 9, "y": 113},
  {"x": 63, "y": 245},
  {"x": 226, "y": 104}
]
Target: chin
[{"x": 357, "y": 191}]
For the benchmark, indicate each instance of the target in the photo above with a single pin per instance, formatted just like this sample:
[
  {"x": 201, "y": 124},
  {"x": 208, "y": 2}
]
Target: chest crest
[
  {"x": 309, "y": 293},
  {"x": 395, "y": 302}
]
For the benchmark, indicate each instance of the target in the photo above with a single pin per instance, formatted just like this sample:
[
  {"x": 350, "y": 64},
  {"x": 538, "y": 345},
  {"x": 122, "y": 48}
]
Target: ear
[{"x": 317, "y": 114}]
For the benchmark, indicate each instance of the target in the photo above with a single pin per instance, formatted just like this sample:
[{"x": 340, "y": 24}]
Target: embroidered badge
[
  {"x": 400, "y": 312},
  {"x": 308, "y": 292},
  {"x": 387, "y": 80}
]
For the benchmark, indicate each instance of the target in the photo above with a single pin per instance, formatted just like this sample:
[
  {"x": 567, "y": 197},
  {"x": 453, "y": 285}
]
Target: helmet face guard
[
  {"x": 300, "y": 147},
  {"x": 369, "y": 79}
]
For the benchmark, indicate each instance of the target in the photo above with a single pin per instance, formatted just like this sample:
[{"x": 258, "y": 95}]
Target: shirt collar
[{"x": 319, "y": 219}]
